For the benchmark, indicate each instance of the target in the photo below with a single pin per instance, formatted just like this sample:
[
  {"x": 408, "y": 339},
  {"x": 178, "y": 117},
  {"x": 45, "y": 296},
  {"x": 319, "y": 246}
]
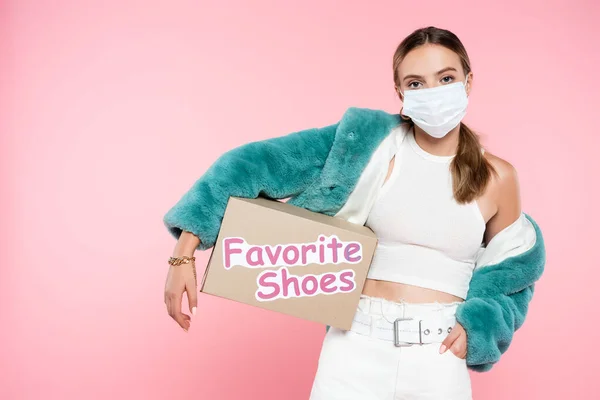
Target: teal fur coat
[{"x": 337, "y": 170}]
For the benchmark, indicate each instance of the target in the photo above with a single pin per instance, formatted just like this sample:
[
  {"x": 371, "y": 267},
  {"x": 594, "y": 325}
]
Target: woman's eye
[
  {"x": 414, "y": 85},
  {"x": 447, "y": 79}
]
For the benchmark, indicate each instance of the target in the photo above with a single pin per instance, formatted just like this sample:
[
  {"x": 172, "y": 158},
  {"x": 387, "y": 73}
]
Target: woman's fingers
[
  {"x": 449, "y": 340},
  {"x": 174, "y": 300},
  {"x": 192, "y": 295},
  {"x": 459, "y": 346}
]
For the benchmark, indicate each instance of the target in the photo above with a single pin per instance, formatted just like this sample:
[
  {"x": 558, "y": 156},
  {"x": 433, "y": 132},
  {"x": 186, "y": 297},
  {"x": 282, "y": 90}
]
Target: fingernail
[
  {"x": 443, "y": 348},
  {"x": 194, "y": 310}
]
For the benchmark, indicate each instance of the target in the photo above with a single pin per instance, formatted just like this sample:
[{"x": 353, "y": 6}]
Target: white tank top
[{"x": 425, "y": 238}]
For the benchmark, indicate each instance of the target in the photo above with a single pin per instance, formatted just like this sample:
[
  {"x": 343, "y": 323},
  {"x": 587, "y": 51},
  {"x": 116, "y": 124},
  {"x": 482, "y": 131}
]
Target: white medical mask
[{"x": 436, "y": 110}]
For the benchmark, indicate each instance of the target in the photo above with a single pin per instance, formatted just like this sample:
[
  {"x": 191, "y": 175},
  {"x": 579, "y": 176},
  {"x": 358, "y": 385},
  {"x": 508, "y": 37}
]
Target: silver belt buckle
[{"x": 397, "y": 333}]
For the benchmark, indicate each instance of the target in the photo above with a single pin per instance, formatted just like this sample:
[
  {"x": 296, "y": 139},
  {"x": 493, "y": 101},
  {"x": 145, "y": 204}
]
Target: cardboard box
[{"x": 280, "y": 257}]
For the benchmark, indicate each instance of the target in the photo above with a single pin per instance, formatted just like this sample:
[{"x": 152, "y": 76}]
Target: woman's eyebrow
[
  {"x": 446, "y": 70},
  {"x": 412, "y": 76}
]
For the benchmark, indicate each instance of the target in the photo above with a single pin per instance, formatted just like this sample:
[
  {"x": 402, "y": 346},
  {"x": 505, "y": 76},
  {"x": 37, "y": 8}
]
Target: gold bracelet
[
  {"x": 185, "y": 260},
  {"x": 181, "y": 260}
]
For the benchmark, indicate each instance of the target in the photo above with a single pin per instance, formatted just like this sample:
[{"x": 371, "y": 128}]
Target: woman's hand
[
  {"x": 456, "y": 341},
  {"x": 181, "y": 278}
]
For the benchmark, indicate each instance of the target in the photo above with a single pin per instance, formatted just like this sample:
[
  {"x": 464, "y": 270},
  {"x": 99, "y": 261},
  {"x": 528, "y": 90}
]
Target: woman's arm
[
  {"x": 507, "y": 198},
  {"x": 186, "y": 244},
  {"x": 499, "y": 294},
  {"x": 277, "y": 168}
]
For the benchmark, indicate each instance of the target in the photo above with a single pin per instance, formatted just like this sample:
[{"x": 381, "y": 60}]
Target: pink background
[{"x": 110, "y": 111}]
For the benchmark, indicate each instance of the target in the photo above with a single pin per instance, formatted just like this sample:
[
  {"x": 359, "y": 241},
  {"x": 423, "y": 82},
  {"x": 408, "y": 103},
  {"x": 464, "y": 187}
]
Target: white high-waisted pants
[{"x": 355, "y": 366}]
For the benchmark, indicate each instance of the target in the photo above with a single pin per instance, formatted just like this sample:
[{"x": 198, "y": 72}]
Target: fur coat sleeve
[
  {"x": 277, "y": 168},
  {"x": 499, "y": 293}
]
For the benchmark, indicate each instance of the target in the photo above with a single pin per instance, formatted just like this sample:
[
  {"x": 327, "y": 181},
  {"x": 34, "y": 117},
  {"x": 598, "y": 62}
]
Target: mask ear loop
[{"x": 402, "y": 116}]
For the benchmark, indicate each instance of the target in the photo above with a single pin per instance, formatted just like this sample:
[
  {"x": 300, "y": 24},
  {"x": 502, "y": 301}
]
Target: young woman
[{"x": 442, "y": 199}]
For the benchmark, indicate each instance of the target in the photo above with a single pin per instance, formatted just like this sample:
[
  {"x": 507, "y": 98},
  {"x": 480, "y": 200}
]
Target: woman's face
[{"x": 428, "y": 66}]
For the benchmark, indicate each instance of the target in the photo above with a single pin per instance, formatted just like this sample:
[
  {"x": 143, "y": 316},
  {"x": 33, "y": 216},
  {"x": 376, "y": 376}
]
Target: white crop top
[{"x": 425, "y": 238}]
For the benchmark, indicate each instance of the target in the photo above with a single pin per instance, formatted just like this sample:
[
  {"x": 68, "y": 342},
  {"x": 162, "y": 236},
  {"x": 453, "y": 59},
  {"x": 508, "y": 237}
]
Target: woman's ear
[
  {"x": 469, "y": 83},
  {"x": 399, "y": 94}
]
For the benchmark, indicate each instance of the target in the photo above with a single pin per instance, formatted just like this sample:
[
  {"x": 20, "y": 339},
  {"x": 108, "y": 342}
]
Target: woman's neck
[{"x": 445, "y": 146}]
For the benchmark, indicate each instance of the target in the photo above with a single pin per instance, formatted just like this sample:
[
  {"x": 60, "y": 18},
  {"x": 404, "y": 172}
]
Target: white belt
[{"x": 432, "y": 328}]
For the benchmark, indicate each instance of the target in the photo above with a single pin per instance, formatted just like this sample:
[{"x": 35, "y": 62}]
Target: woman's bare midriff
[{"x": 394, "y": 291}]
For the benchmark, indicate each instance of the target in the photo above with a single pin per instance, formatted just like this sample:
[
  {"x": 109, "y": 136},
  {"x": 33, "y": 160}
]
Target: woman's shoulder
[
  {"x": 504, "y": 183},
  {"x": 505, "y": 170}
]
